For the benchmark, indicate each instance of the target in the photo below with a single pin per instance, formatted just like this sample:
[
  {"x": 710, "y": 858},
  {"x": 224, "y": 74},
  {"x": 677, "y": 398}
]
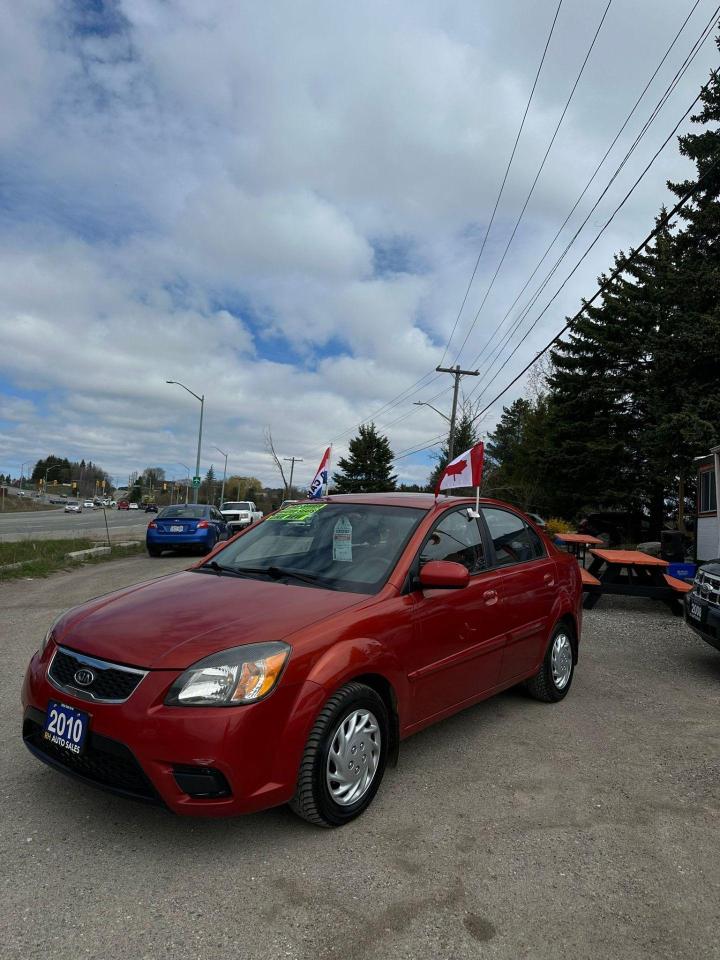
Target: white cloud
[{"x": 281, "y": 208}]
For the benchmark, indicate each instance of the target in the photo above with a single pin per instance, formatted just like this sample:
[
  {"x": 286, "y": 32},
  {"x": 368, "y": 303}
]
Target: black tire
[
  {"x": 543, "y": 685},
  {"x": 153, "y": 551},
  {"x": 313, "y": 800}
]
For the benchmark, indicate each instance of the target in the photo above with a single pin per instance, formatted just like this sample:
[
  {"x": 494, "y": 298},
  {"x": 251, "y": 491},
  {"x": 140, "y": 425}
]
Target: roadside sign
[{"x": 196, "y": 481}]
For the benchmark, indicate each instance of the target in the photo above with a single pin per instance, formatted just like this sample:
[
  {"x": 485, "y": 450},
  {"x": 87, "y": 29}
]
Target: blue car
[{"x": 184, "y": 526}]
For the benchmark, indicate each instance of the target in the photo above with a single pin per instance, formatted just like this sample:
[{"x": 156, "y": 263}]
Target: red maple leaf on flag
[{"x": 455, "y": 469}]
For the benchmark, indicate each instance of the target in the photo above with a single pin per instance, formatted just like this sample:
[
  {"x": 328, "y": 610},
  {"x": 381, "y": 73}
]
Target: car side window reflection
[
  {"x": 514, "y": 541},
  {"x": 456, "y": 537}
]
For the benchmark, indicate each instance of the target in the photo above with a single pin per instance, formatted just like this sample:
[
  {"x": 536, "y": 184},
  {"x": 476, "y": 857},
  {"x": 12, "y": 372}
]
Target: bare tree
[
  {"x": 270, "y": 447},
  {"x": 537, "y": 381}
]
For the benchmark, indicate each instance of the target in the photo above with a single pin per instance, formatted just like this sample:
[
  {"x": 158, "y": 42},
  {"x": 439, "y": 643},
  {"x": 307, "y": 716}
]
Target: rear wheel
[
  {"x": 153, "y": 551},
  {"x": 344, "y": 760},
  {"x": 552, "y": 681}
]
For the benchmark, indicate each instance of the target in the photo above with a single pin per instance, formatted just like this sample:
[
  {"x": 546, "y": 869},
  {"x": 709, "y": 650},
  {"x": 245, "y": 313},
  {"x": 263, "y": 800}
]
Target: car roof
[{"x": 421, "y": 501}]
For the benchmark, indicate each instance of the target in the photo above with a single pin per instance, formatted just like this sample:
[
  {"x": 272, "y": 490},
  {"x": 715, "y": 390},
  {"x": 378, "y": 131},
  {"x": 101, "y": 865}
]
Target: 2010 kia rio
[{"x": 288, "y": 665}]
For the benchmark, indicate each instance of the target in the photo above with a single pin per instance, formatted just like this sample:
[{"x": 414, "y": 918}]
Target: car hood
[{"x": 177, "y": 620}]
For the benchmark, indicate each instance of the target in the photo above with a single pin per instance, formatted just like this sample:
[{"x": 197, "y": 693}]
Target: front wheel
[
  {"x": 552, "y": 681},
  {"x": 344, "y": 760}
]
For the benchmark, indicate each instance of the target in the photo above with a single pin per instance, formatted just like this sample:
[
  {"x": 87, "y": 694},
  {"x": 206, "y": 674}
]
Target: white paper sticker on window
[{"x": 342, "y": 540}]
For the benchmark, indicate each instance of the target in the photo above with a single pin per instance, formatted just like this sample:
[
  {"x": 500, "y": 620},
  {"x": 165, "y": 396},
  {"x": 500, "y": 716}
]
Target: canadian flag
[{"x": 463, "y": 471}]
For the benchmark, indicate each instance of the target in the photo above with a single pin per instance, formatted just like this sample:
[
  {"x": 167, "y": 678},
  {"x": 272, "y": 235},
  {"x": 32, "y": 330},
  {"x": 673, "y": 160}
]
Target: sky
[{"x": 281, "y": 205}]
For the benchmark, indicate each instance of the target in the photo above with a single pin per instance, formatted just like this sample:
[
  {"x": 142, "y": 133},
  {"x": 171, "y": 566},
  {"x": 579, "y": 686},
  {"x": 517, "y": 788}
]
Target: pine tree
[
  {"x": 515, "y": 453},
  {"x": 368, "y": 467}
]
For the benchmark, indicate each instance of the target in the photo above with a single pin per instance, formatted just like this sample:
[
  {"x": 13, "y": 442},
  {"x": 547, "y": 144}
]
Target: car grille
[
  {"x": 112, "y": 683},
  {"x": 707, "y": 587},
  {"x": 105, "y": 762},
  {"x": 231, "y": 517}
]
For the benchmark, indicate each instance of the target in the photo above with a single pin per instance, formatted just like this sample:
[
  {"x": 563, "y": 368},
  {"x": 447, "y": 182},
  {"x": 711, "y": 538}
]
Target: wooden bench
[
  {"x": 679, "y": 585},
  {"x": 588, "y": 580}
]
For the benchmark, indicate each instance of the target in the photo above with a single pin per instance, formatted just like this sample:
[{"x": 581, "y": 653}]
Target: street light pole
[
  {"x": 199, "y": 448},
  {"x": 222, "y": 492},
  {"x": 292, "y": 461}
]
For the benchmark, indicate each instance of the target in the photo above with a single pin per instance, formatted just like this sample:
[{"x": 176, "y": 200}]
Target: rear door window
[{"x": 513, "y": 540}]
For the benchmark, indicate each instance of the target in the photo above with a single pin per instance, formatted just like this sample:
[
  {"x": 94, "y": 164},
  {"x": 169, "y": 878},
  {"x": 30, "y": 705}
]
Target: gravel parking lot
[{"x": 515, "y": 829}]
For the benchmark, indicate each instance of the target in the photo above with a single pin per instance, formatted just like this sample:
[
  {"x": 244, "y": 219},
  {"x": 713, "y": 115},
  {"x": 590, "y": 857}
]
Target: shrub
[{"x": 558, "y": 525}]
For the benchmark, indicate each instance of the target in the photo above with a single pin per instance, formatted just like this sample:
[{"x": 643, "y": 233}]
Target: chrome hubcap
[
  {"x": 561, "y": 661},
  {"x": 353, "y": 758}
]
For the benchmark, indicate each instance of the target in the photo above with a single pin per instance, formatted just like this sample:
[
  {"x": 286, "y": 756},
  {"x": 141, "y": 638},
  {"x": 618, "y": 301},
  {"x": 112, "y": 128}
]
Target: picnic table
[
  {"x": 631, "y": 573},
  {"x": 578, "y": 542}
]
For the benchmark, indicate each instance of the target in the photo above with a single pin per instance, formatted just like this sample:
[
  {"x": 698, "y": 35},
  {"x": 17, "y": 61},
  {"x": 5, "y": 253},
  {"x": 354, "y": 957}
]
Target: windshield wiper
[
  {"x": 219, "y": 569},
  {"x": 277, "y": 572}
]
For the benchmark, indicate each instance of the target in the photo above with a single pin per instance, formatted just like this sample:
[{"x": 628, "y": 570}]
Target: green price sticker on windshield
[{"x": 298, "y": 513}]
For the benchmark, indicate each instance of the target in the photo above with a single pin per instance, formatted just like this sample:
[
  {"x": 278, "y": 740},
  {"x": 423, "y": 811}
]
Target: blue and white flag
[{"x": 318, "y": 488}]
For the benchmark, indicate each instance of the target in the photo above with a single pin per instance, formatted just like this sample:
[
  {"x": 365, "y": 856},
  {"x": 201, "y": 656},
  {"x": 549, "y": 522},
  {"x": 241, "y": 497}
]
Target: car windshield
[
  {"x": 349, "y": 546},
  {"x": 186, "y": 511},
  {"x": 242, "y": 505}
]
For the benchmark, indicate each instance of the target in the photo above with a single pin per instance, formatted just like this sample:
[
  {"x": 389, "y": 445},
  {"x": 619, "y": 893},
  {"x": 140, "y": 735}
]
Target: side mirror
[{"x": 443, "y": 575}]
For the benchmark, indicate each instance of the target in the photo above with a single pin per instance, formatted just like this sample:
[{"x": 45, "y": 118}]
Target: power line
[
  {"x": 537, "y": 177},
  {"x": 419, "y": 383},
  {"x": 597, "y": 237},
  {"x": 504, "y": 181},
  {"x": 622, "y": 267},
  {"x": 595, "y": 172},
  {"x": 654, "y": 113}
]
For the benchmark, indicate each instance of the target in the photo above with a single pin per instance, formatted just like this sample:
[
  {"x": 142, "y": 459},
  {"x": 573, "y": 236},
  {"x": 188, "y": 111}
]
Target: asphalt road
[
  {"x": 56, "y": 524},
  {"x": 587, "y": 829}
]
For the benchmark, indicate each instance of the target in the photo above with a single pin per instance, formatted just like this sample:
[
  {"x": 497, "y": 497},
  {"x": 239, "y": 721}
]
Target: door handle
[
  {"x": 549, "y": 579},
  {"x": 490, "y": 597}
]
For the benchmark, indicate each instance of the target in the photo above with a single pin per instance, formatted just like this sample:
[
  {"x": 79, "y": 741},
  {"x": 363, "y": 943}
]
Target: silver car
[{"x": 73, "y": 506}]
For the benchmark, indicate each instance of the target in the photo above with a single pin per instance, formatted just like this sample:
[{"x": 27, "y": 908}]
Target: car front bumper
[
  {"x": 707, "y": 624},
  {"x": 146, "y": 750}
]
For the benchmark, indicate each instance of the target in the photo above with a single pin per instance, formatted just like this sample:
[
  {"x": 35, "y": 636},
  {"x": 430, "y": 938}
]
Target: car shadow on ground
[{"x": 70, "y": 806}]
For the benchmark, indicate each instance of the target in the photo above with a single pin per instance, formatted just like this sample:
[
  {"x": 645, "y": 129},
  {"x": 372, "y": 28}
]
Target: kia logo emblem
[{"x": 83, "y": 678}]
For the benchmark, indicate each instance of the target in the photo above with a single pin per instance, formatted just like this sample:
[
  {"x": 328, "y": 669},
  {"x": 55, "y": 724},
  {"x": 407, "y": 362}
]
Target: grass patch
[
  {"x": 40, "y": 558},
  {"x": 15, "y": 504}
]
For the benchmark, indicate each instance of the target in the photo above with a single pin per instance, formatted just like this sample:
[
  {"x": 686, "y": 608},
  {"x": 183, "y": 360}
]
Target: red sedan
[{"x": 287, "y": 666}]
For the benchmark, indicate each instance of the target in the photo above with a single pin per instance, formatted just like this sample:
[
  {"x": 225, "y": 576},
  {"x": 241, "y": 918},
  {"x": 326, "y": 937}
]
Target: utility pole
[
  {"x": 292, "y": 461},
  {"x": 457, "y": 374}
]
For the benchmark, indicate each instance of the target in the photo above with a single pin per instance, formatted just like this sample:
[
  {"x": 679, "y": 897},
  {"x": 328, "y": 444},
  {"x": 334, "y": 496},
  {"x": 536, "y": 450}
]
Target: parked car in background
[
  {"x": 186, "y": 525},
  {"x": 151, "y": 508},
  {"x": 702, "y": 605},
  {"x": 88, "y": 504},
  {"x": 240, "y": 514},
  {"x": 73, "y": 506},
  {"x": 123, "y": 505},
  {"x": 133, "y": 506},
  {"x": 287, "y": 667}
]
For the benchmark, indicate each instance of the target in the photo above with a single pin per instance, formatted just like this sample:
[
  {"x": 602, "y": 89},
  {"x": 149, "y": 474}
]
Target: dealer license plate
[
  {"x": 695, "y": 611},
  {"x": 66, "y": 727},
  {"x": 176, "y": 529}
]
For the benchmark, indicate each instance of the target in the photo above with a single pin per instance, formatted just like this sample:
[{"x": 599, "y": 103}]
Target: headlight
[
  {"x": 49, "y": 634},
  {"x": 230, "y": 678}
]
